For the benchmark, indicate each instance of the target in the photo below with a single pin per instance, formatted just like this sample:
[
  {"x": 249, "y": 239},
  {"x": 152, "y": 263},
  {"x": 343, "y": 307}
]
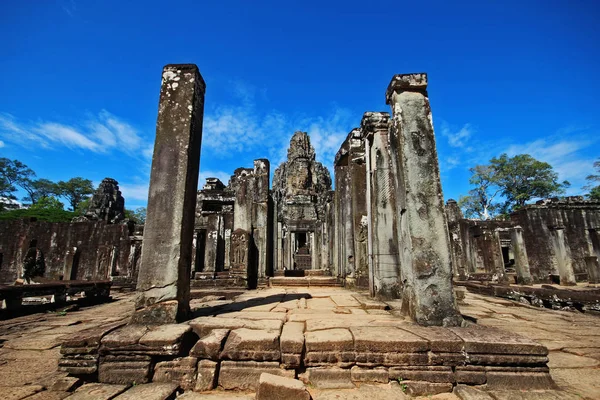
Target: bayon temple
[{"x": 331, "y": 281}]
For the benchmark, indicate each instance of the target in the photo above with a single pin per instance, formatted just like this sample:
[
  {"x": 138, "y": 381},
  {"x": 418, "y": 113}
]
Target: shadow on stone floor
[{"x": 241, "y": 305}]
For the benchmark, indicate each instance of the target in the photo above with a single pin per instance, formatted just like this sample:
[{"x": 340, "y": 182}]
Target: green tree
[
  {"x": 138, "y": 216},
  {"x": 479, "y": 203},
  {"x": 523, "y": 178},
  {"x": 517, "y": 180},
  {"x": 39, "y": 188},
  {"x": 75, "y": 190},
  {"x": 13, "y": 173},
  {"x": 594, "y": 185},
  {"x": 47, "y": 203}
]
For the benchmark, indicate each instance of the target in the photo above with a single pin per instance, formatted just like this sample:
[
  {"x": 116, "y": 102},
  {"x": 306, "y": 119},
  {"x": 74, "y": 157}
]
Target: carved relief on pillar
[{"x": 239, "y": 250}]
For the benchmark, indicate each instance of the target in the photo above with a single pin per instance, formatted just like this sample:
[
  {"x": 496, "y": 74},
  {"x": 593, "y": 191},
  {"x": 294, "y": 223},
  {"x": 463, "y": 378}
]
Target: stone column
[
  {"x": 593, "y": 267},
  {"x": 454, "y": 215},
  {"x": 164, "y": 278},
  {"x": 498, "y": 259},
  {"x": 260, "y": 215},
  {"x": 386, "y": 262},
  {"x": 423, "y": 233},
  {"x": 562, "y": 254},
  {"x": 521, "y": 260}
]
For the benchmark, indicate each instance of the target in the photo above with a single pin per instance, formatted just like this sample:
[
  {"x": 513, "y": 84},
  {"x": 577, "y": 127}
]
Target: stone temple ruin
[{"x": 383, "y": 231}]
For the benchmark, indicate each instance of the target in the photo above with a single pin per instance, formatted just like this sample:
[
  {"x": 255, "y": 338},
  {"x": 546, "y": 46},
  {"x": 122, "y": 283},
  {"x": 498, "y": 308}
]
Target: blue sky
[{"x": 80, "y": 80}]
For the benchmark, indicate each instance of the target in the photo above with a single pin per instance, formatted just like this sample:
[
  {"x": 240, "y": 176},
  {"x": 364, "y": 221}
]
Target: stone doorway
[{"x": 302, "y": 253}]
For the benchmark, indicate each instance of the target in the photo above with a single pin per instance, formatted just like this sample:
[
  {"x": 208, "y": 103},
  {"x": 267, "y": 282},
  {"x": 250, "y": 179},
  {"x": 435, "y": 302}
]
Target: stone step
[{"x": 326, "y": 281}]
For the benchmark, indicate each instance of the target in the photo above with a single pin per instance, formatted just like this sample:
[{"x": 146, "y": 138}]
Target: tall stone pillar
[
  {"x": 454, "y": 215},
  {"x": 498, "y": 258},
  {"x": 260, "y": 216},
  {"x": 426, "y": 266},
  {"x": 521, "y": 260},
  {"x": 385, "y": 257},
  {"x": 163, "y": 285},
  {"x": 358, "y": 188}
]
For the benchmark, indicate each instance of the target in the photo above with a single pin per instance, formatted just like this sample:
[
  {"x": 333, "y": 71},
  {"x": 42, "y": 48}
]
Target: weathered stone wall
[
  {"x": 384, "y": 223},
  {"x": 552, "y": 237},
  {"x": 72, "y": 251},
  {"x": 558, "y": 236}
]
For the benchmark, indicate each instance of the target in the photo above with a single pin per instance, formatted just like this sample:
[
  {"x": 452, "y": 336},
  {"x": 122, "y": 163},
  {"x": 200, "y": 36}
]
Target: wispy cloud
[
  {"x": 565, "y": 152},
  {"x": 458, "y": 138},
  {"x": 246, "y": 127},
  {"x": 99, "y": 133},
  {"x": 134, "y": 191},
  {"x": 69, "y": 7}
]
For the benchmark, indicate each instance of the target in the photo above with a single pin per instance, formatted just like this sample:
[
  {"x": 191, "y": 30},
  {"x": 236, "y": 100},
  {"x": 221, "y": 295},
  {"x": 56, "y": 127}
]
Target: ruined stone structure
[
  {"x": 386, "y": 169},
  {"x": 550, "y": 241},
  {"x": 302, "y": 203},
  {"x": 71, "y": 251},
  {"x": 106, "y": 204},
  {"x": 213, "y": 227}
]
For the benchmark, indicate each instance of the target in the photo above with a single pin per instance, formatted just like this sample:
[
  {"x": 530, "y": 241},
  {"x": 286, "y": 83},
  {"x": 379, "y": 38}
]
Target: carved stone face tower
[{"x": 302, "y": 194}]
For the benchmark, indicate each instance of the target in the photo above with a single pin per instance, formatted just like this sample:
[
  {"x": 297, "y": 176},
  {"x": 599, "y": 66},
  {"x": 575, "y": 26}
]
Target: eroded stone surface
[{"x": 274, "y": 387}]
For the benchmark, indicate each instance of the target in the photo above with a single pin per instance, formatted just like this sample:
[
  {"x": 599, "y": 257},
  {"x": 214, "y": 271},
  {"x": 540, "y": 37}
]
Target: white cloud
[
  {"x": 457, "y": 137},
  {"x": 230, "y": 129},
  {"x": 134, "y": 191},
  {"x": 1, "y": 144},
  {"x": 564, "y": 155},
  {"x": 101, "y": 133}
]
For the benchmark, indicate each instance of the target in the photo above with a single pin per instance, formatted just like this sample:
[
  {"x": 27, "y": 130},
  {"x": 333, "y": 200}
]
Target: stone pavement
[{"x": 30, "y": 345}]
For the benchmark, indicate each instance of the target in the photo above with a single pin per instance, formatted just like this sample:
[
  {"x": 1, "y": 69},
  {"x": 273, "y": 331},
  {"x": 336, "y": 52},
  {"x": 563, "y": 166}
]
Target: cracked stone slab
[
  {"x": 252, "y": 344},
  {"x": 387, "y": 340},
  {"x": 329, "y": 340},
  {"x": 480, "y": 339},
  {"x": 149, "y": 391},
  {"x": 210, "y": 346}
]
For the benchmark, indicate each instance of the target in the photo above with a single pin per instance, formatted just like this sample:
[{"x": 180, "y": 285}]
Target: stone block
[
  {"x": 292, "y": 338},
  {"x": 329, "y": 378},
  {"x": 274, "y": 387},
  {"x": 202, "y": 326},
  {"x": 451, "y": 359},
  {"x": 206, "y": 376},
  {"x": 519, "y": 380},
  {"x": 90, "y": 338},
  {"x": 507, "y": 359},
  {"x": 423, "y": 374},
  {"x": 124, "y": 338},
  {"x": 167, "y": 337},
  {"x": 97, "y": 391},
  {"x": 210, "y": 346},
  {"x": 252, "y": 345},
  {"x": 65, "y": 384},
  {"x": 440, "y": 339},
  {"x": 470, "y": 375},
  {"x": 291, "y": 361},
  {"x": 329, "y": 358},
  {"x": 391, "y": 359},
  {"x": 150, "y": 391},
  {"x": 418, "y": 388},
  {"x": 124, "y": 372},
  {"x": 78, "y": 364},
  {"x": 329, "y": 340},
  {"x": 359, "y": 374},
  {"x": 479, "y": 339},
  {"x": 245, "y": 375},
  {"x": 386, "y": 339},
  {"x": 180, "y": 370}
]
